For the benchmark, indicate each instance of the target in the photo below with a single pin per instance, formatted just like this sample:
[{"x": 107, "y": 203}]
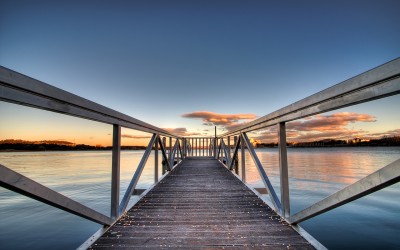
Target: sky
[{"x": 187, "y": 66}]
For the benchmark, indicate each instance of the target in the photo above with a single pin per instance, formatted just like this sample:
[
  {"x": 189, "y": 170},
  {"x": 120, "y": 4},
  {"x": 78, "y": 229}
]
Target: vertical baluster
[
  {"x": 229, "y": 149},
  {"x": 208, "y": 147},
  {"x": 156, "y": 160},
  {"x": 202, "y": 148},
  {"x": 184, "y": 148},
  {"x": 283, "y": 168},
  {"x": 164, "y": 165},
  {"x": 170, "y": 152},
  {"x": 243, "y": 148},
  {"x": 215, "y": 142},
  {"x": 236, "y": 159},
  {"x": 115, "y": 172}
]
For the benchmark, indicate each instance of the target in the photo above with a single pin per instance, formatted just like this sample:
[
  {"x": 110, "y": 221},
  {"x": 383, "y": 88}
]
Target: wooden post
[
  {"x": 243, "y": 148},
  {"x": 115, "y": 173},
  {"x": 283, "y": 168},
  {"x": 229, "y": 149},
  {"x": 170, "y": 152},
  {"x": 156, "y": 161},
  {"x": 236, "y": 159},
  {"x": 164, "y": 164}
]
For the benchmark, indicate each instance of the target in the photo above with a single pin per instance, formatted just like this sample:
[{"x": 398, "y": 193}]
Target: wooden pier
[{"x": 201, "y": 204}]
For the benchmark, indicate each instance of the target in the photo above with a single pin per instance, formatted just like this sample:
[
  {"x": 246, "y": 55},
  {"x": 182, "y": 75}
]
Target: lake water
[{"x": 371, "y": 222}]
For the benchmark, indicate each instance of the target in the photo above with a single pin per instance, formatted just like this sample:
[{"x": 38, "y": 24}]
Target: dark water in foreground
[{"x": 372, "y": 222}]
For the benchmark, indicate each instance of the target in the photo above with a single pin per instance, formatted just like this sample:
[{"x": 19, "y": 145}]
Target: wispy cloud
[
  {"x": 389, "y": 133},
  {"x": 329, "y": 122},
  {"x": 320, "y": 127},
  {"x": 228, "y": 121},
  {"x": 135, "y": 136}
]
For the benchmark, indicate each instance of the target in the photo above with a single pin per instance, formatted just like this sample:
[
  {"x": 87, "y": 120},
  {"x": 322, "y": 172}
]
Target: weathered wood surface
[{"x": 201, "y": 205}]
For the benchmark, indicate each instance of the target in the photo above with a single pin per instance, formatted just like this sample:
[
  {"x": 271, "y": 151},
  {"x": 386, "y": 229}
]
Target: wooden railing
[
  {"x": 22, "y": 90},
  {"x": 377, "y": 83}
]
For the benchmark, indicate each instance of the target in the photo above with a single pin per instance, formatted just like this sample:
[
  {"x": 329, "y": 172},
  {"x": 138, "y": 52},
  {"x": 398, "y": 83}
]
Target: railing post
[
  {"x": 115, "y": 172},
  {"x": 164, "y": 164},
  {"x": 156, "y": 160},
  {"x": 215, "y": 148},
  {"x": 170, "y": 152},
  {"x": 202, "y": 151},
  {"x": 184, "y": 148},
  {"x": 236, "y": 158},
  {"x": 229, "y": 148},
  {"x": 283, "y": 168},
  {"x": 243, "y": 148}
]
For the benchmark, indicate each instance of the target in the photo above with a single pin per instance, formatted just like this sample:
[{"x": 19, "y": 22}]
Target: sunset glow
[{"x": 189, "y": 67}]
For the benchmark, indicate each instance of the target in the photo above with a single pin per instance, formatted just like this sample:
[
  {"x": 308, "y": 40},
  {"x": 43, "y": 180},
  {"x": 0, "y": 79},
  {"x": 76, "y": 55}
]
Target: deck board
[{"x": 201, "y": 205}]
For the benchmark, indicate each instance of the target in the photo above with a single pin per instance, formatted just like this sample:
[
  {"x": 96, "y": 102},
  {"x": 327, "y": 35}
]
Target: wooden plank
[{"x": 201, "y": 205}]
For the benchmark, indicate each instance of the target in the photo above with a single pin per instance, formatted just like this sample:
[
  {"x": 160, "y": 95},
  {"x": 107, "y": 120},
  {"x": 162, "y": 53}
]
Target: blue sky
[{"x": 158, "y": 60}]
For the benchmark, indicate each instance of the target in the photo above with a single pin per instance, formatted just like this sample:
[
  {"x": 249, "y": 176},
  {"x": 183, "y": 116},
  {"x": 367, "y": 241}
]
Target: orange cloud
[
  {"x": 390, "y": 133},
  {"x": 320, "y": 127},
  {"x": 329, "y": 122},
  {"x": 182, "y": 132},
  {"x": 211, "y": 118}
]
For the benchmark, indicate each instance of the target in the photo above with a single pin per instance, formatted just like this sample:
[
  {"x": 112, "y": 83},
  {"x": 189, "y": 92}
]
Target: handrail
[
  {"x": 380, "y": 82},
  {"x": 23, "y": 90},
  {"x": 26, "y": 91},
  {"x": 377, "y": 83}
]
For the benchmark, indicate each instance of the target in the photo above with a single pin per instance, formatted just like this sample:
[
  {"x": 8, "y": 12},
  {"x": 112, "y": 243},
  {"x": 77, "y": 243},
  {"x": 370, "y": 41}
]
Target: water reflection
[{"x": 369, "y": 222}]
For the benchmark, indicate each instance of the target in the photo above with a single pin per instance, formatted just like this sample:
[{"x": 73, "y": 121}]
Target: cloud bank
[
  {"x": 182, "y": 132},
  {"x": 228, "y": 121},
  {"x": 320, "y": 127}
]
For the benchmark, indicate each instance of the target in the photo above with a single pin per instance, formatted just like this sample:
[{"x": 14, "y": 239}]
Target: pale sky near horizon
[{"x": 163, "y": 61}]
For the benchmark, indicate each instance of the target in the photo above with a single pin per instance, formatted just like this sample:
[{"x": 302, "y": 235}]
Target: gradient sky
[{"x": 163, "y": 61}]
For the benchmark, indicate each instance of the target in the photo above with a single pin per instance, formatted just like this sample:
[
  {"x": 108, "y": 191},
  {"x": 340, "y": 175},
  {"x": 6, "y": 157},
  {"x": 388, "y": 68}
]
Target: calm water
[{"x": 371, "y": 222}]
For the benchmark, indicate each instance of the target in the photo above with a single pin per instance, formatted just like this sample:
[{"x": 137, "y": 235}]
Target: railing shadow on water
[{"x": 380, "y": 82}]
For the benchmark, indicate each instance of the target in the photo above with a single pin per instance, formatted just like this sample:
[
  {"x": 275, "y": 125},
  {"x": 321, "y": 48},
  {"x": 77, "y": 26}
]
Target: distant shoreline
[
  {"x": 28, "y": 147},
  {"x": 72, "y": 150}
]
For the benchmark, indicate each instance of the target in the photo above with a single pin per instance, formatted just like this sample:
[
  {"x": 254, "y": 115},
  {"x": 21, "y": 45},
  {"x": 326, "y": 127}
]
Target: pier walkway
[{"x": 201, "y": 204}]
